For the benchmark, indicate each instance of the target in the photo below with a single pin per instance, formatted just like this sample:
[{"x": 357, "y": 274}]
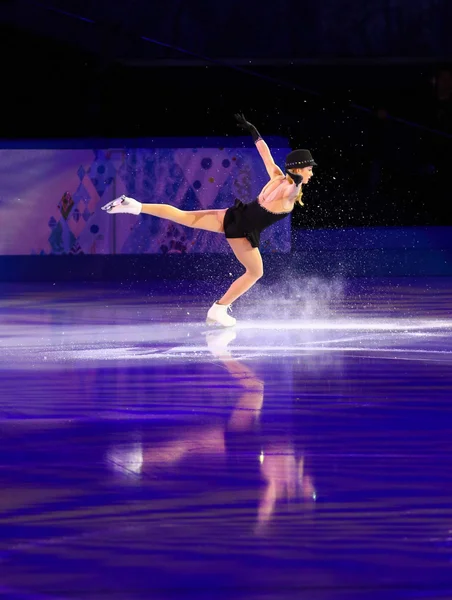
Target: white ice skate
[
  {"x": 123, "y": 205},
  {"x": 218, "y": 315}
]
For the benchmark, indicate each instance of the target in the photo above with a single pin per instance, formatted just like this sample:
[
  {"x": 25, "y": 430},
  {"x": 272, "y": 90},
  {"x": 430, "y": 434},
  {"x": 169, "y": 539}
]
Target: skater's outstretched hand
[
  {"x": 244, "y": 124},
  {"x": 123, "y": 205}
]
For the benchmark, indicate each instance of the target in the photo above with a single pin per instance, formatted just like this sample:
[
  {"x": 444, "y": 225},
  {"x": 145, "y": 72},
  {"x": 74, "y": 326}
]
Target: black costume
[{"x": 249, "y": 220}]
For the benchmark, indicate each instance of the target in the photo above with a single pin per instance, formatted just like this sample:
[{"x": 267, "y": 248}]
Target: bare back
[{"x": 278, "y": 195}]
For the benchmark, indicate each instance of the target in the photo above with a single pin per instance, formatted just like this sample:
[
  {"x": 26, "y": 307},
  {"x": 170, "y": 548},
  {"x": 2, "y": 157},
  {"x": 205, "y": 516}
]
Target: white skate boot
[
  {"x": 123, "y": 205},
  {"x": 218, "y": 315}
]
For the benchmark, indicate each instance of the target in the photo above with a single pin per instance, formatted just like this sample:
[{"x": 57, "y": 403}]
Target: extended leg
[{"x": 209, "y": 220}]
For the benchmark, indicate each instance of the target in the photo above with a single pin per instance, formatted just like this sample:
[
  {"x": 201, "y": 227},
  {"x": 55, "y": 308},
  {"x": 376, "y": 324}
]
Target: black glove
[{"x": 243, "y": 123}]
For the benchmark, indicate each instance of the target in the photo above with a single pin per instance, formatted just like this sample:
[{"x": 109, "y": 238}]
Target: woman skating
[{"x": 242, "y": 223}]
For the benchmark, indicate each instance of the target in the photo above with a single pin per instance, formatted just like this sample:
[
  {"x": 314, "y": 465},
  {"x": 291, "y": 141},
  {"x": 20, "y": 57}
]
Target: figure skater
[{"x": 242, "y": 223}]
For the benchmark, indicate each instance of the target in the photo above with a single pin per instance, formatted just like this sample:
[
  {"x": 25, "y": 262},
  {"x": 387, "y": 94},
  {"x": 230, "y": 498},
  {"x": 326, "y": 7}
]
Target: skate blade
[{"x": 212, "y": 323}]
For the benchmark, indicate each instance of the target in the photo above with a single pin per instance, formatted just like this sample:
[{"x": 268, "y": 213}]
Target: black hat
[{"x": 297, "y": 159}]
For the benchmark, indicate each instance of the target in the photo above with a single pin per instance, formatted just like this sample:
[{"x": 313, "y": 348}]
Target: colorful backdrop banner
[{"x": 51, "y": 199}]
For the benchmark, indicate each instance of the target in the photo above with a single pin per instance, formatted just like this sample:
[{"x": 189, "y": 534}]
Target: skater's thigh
[
  {"x": 250, "y": 257},
  {"x": 209, "y": 220}
]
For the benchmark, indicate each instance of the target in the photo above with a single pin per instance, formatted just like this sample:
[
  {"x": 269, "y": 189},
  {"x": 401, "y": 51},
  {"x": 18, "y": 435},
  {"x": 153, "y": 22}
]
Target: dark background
[{"x": 367, "y": 89}]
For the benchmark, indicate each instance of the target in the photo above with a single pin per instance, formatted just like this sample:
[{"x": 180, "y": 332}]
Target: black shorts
[{"x": 236, "y": 224}]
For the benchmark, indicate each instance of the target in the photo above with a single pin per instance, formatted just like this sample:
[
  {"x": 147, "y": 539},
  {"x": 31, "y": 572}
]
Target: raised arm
[{"x": 272, "y": 168}]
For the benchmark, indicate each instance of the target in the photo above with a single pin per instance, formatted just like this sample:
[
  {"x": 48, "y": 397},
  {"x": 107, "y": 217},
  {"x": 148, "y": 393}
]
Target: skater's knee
[{"x": 255, "y": 272}]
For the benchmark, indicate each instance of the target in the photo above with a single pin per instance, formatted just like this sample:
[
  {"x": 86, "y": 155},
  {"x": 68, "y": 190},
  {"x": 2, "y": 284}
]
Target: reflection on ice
[{"x": 237, "y": 442}]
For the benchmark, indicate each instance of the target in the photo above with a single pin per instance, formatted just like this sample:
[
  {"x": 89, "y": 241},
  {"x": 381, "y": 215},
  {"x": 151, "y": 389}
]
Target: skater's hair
[{"x": 300, "y": 191}]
